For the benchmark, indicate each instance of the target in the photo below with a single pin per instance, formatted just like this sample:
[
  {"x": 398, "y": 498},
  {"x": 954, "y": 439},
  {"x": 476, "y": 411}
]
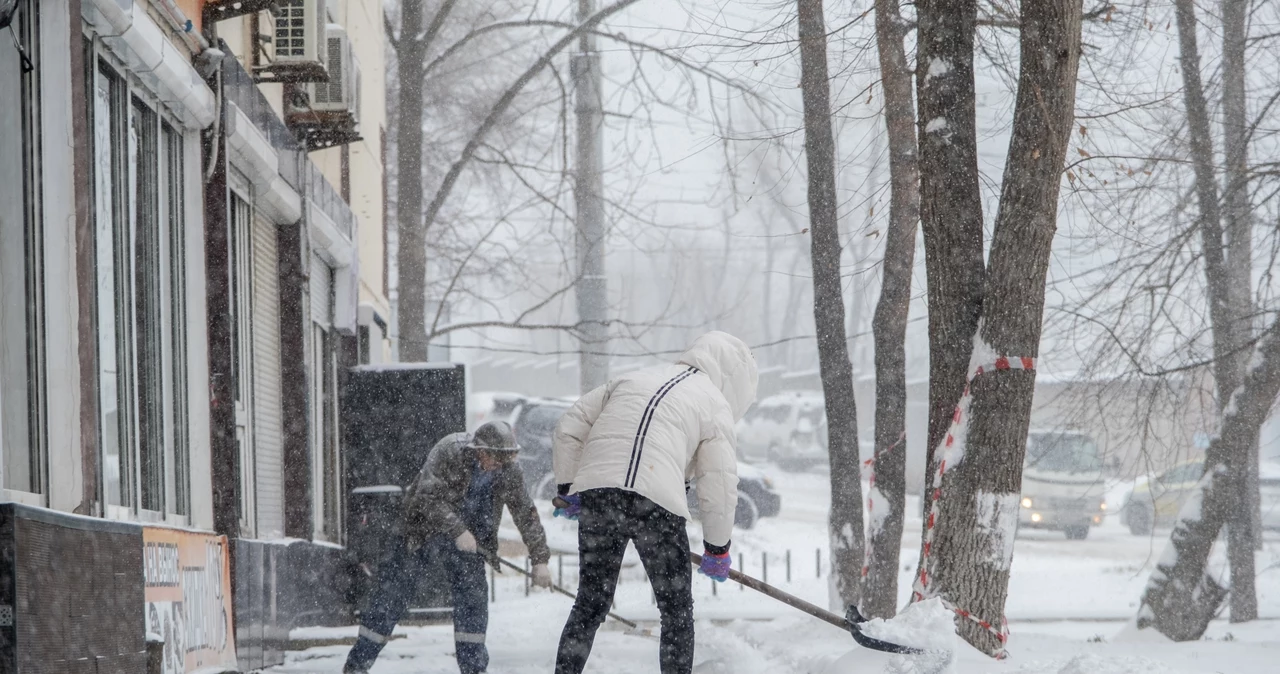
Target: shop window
[
  {"x": 324, "y": 437},
  {"x": 139, "y": 306},
  {"x": 172, "y": 204},
  {"x": 148, "y": 343},
  {"x": 241, "y": 229},
  {"x": 111, "y": 308},
  {"x": 22, "y": 404}
]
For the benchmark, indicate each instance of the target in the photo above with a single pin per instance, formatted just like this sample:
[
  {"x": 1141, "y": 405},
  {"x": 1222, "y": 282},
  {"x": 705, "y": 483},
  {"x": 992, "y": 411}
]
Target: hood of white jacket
[{"x": 727, "y": 360}]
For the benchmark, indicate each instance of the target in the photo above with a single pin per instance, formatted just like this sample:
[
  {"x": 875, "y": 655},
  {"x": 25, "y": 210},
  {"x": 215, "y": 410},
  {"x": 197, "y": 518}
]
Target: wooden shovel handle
[
  {"x": 850, "y": 624},
  {"x": 567, "y": 593},
  {"x": 784, "y": 597}
]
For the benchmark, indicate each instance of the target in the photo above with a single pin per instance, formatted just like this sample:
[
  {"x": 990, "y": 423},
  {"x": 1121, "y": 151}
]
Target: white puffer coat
[{"x": 652, "y": 430}]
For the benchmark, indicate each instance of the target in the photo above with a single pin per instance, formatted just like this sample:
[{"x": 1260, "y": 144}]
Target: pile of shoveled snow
[{"x": 928, "y": 625}]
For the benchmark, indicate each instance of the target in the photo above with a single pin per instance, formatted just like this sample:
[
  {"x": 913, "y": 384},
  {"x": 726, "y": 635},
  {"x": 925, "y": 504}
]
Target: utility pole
[{"x": 592, "y": 286}]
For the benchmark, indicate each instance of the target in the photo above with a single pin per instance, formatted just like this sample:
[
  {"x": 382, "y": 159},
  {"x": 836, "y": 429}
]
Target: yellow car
[{"x": 1158, "y": 501}]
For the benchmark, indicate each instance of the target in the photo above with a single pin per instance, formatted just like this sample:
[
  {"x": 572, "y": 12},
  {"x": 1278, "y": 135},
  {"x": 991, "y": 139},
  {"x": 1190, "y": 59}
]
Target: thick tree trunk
[
  {"x": 1228, "y": 337},
  {"x": 1180, "y": 597},
  {"x": 1239, "y": 217},
  {"x": 950, "y": 203},
  {"x": 828, "y": 305},
  {"x": 887, "y": 499},
  {"x": 978, "y": 507}
]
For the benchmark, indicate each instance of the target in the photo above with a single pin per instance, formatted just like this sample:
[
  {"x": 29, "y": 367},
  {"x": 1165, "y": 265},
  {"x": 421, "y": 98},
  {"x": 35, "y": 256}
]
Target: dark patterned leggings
[{"x": 610, "y": 519}]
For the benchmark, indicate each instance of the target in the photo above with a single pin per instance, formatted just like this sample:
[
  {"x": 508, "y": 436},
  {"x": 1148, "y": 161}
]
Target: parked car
[
  {"x": 785, "y": 429},
  {"x": 535, "y": 419},
  {"x": 535, "y": 422},
  {"x": 1158, "y": 500},
  {"x": 756, "y": 497},
  {"x": 1063, "y": 487},
  {"x": 492, "y": 406}
]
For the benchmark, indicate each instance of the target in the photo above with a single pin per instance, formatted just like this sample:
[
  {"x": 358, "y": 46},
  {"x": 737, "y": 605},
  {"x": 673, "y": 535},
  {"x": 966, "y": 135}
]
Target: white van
[
  {"x": 1062, "y": 483},
  {"x": 784, "y": 429}
]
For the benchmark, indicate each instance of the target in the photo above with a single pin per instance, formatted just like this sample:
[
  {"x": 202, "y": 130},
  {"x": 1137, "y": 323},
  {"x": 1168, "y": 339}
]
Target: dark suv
[{"x": 535, "y": 422}]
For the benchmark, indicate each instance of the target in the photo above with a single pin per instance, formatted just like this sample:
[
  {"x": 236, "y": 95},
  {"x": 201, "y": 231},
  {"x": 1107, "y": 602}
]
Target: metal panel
[
  {"x": 321, "y": 292},
  {"x": 391, "y": 417},
  {"x": 268, "y": 430},
  {"x": 279, "y": 587}
]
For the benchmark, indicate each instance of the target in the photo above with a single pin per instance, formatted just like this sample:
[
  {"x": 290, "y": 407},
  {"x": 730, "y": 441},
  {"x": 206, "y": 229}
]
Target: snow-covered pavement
[{"x": 1068, "y": 606}]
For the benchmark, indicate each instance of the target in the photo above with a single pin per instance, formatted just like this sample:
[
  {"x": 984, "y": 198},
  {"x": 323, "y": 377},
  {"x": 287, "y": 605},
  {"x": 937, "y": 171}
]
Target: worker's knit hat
[{"x": 495, "y": 436}]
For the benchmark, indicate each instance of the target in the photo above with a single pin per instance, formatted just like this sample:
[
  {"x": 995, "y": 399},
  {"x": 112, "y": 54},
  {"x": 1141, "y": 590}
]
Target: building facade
[{"x": 191, "y": 206}]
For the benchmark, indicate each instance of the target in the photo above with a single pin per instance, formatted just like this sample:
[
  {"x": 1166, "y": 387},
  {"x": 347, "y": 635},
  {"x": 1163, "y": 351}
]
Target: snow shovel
[
  {"x": 565, "y": 592},
  {"x": 851, "y": 622}
]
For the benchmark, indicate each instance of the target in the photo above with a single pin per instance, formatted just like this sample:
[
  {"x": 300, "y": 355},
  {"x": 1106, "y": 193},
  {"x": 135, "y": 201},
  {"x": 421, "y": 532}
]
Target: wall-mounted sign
[{"x": 188, "y": 594}]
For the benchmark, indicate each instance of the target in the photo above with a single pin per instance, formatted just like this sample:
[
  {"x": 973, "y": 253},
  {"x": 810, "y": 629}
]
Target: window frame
[
  {"x": 26, "y": 29},
  {"x": 110, "y": 88},
  {"x": 323, "y": 438},
  {"x": 149, "y": 371},
  {"x": 174, "y": 202},
  {"x": 240, "y": 224},
  {"x": 148, "y": 248}
]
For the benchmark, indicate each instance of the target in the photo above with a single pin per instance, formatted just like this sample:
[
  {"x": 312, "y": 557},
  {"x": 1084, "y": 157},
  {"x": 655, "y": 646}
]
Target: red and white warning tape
[
  {"x": 871, "y": 503},
  {"x": 952, "y": 449}
]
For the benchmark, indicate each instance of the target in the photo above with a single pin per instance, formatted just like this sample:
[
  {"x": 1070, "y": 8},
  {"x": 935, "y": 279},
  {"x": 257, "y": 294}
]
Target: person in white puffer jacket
[{"x": 623, "y": 456}]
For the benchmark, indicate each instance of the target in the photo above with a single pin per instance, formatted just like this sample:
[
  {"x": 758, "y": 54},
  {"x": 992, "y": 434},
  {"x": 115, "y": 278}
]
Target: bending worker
[
  {"x": 451, "y": 514},
  {"x": 623, "y": 455}
]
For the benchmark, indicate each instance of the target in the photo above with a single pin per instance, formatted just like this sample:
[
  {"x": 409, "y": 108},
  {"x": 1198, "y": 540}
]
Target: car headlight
[
  {"x": 1102, "y": 506},
  {"x": 1026, "y": 502},
  {"x": 768, "y": 482}
]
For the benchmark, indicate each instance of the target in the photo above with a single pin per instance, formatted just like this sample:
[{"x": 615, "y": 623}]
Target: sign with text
[{"x": 188, "y": 595}]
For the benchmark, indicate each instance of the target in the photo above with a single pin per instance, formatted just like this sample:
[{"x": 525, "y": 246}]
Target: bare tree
[
  {"x": 887, "y": 498},
  {"x": 1174, "y": 308},
  {"x": 845, "y": 525},
  {"x": 950, "y": 203},
  {"x": 1244, "y": 534},
  {"x": 975, "y": 514},
  {"x": 413, "y": 226},
  {"x": 1181, "y": 598},
  {"x": 1226, "y": 264},
  {"x": 412, "y": 48}
]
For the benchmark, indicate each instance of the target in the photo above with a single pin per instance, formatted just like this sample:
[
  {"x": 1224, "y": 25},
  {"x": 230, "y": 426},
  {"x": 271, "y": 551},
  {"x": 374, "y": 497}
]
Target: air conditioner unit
[
  {"x": 327, "y": 113},
  {"x": 299, "y": 42},
  {"x": 340, "y": 96}
]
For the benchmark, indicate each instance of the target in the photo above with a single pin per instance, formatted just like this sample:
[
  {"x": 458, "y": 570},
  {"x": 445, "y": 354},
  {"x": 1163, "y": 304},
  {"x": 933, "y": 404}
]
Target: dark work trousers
[
  {"x": 398, "y": 576},
  {"x": 610, "y": 518}
]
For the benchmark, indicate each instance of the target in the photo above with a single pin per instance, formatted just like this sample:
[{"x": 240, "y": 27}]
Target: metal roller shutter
[
  {"x": 321, "y": 292},
  {"x": 268, "y": 422}
]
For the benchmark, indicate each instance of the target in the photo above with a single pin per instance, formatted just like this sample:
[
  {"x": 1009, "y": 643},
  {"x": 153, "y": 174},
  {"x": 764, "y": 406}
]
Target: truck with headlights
[{"x": 1063, "y": 486}]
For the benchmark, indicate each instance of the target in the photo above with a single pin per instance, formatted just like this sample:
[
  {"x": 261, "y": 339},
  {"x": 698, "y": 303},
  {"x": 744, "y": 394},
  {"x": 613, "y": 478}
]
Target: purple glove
[
  {"x": 716, "y": 567},
  {"x": 568, "y": 506}
]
